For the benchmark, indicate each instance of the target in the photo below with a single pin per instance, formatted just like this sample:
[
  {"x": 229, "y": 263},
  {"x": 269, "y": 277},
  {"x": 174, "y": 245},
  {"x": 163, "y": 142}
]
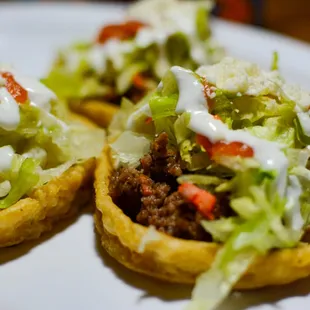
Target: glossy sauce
[
  {"x": 6, "y": 158},
  {"x": 9, "y": 111},
  {"x": 191, "y": 99},
  {"x": 38, "y": 94},
  {"x": 293, "y": 216}
]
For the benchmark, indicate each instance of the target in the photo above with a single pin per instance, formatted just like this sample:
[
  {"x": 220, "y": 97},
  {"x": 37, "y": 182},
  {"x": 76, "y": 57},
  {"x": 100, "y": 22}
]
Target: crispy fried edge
[
  {"x": 181, "y": 261},
  {"x": 100, "y": 112},
  {"x": 59, "y": 199}
]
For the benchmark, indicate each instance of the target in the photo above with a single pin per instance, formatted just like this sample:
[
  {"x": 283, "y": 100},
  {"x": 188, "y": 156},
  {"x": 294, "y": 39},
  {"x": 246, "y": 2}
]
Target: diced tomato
[
  {"x": 148, "y": 120},
  {"x": 201, "y": 199},
  {"x": 122, "y": 31},
  {"x": 205, "y": 143},
  {"x": 232, "y": 149},
  {"x": 223, "y": 148},
  {"x": 133, "y": 26},
  {"x": 217, "y": 117},
  {"x": 208, "y": 92},
  {"x": 139, "y": 81},
  {"x": 15, "y": 89}
]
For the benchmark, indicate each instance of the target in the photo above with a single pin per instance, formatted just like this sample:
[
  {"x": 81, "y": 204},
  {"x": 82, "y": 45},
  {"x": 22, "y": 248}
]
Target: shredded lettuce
[
  {"x": 275, "y": 61},
  {"x": 202, "y": 24},
  {"x": 266, "y": 205},
  {"x": 245, "y": 237},
  {"x": 302, "y": 138},
  {"x": 178, "y": 50},
  {"x": 119, "y": 121},
  {"x": 221, "y": 229},
  {"x": 46, "y": 143},
  {"x": 71, "y": 85},
  {"x": 25, "y": 180},
  {"x": 199, "y": 179},
  {"x": 181, "y": 130},
  {"x": 92, "y": 69},
  {"x": 129, "y": 148},
  {"x": 163, "y": 106},
  {"x": 124, "y": 80}
]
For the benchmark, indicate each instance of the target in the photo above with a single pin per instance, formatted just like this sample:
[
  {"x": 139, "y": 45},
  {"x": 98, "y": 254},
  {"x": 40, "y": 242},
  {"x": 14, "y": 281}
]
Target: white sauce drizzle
[
  {"x": 293, "y": 215},
  {"x": 9, "y": 111},
  {"x": 191, "y": 99},
  {"x": 6, "y": 158},
  {"x": 38, "y": 94}
]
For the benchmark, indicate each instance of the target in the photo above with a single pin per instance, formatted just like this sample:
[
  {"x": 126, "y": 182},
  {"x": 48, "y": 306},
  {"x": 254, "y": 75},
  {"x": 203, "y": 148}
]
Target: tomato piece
[
  {"x": 148, "y": 120},
  {"x": 15, "y": 89},
  {"x": 223, "y": 148},
  {"x": 122, "y": 31},
  {"x": 139, "y": 81},
  {"x": 217, "y": 117},
  {"x": 133, "y": 26},
  {"x": 201, "y": 199},
  {"x": 205, "y": 143},
  {"x": 231, "y": 149}
]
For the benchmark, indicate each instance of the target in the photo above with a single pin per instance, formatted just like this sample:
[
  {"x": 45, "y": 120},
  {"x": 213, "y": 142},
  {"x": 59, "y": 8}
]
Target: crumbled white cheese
[
  {"x": 176, "y": 16},
  {"x": 245, "y": 78},
  {"x": 296, "y": 94},
  {"x": 236, "y": 76}
]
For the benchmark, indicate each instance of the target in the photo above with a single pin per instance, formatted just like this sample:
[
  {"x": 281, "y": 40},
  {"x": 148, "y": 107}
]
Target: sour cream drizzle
[
  {"x": 38, "y": 95},
  {"x": 9, "y": 111},
  {"x": 6, "y": 157},
  {"x": 191, "y": 100}
]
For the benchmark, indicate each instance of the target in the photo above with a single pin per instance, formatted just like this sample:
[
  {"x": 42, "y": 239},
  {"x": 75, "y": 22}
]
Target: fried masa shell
[
  {"x": 59, "y": 199},
  {"x": 100, "y": 112},
  {"x": 176, "y": 260}
]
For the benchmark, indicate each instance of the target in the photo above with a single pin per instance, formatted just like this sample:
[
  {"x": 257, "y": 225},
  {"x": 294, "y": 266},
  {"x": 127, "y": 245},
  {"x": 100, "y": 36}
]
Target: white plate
[{"x": 65, "y": 270}]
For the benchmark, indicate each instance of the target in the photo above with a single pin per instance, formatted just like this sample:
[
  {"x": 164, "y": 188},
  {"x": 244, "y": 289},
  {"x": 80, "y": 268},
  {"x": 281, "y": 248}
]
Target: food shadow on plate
[
  {"x": 11, "y": 253},
  {"x": 271, "y": 296},
  {"x": 151, "y": 287}
]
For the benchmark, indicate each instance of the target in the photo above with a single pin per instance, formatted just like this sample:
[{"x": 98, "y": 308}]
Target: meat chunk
[
  {"x": 174, "y": 217},
  {"x": 163, "y": 163},
  {"x": 150, "y": 203},
  {"x": 124, "y": 189},
  {"x": 149, "y": 196}
]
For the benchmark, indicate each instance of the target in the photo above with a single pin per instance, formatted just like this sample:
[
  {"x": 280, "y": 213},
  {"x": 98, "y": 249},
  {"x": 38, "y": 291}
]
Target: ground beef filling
[{"x": 148, "y": 194}]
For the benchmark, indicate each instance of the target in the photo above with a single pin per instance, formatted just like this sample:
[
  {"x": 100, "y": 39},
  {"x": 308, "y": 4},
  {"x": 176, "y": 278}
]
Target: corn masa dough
[
  {"x": 100, "y": 112},
  {"x": 60, "y": 198},
  {"x": 176, "y": 260}
]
